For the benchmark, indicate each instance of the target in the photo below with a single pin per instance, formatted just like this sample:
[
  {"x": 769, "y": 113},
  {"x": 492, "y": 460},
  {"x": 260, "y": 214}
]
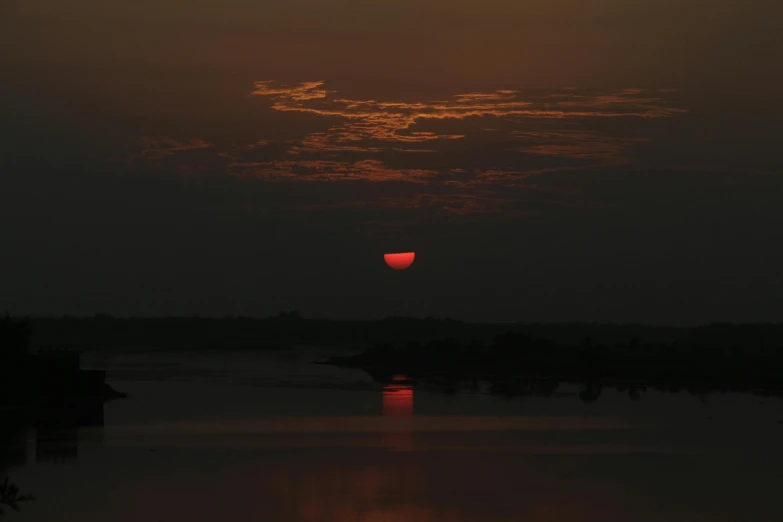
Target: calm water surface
[{"x": 270, "y": 436}]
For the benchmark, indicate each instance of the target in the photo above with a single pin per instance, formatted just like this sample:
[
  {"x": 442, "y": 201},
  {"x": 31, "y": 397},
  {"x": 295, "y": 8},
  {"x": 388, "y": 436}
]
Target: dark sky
[{"x": 546, "y": 159}]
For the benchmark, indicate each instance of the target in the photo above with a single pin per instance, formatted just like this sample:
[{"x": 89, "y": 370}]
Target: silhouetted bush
[{"x": 517, "y": 364}]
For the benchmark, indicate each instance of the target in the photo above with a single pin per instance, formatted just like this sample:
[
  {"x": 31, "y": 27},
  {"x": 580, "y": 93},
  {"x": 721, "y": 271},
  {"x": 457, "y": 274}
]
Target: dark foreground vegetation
[
  {"x": 44, "y": 377},
  {"x": 517, "y": 364}
]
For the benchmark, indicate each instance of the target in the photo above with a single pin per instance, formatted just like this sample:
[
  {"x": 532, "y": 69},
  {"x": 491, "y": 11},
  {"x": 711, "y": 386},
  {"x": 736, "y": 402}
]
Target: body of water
[{"x": 271, "y": 436}]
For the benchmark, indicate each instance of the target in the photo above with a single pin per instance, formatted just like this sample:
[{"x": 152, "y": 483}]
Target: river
[{"x": 271, "y": 436}]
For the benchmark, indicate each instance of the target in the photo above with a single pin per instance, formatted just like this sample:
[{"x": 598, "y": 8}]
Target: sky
[{"x": 547, "y": 160}]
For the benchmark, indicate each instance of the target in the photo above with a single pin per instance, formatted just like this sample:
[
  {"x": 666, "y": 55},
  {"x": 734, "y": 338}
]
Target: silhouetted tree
[
  {"x": 290, "y": 316},
  {"x": 591, "y": 392}
]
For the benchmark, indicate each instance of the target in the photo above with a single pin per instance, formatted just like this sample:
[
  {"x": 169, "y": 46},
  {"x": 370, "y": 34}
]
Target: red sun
[{"x": 399, "y": 261}]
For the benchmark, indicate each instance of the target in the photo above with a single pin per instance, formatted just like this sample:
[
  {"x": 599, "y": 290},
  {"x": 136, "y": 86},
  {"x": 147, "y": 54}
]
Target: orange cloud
[
  {"x": 469, "y": 166},
  {"x": 302, "y": 92},
  {"x": 386, "y": 122}
]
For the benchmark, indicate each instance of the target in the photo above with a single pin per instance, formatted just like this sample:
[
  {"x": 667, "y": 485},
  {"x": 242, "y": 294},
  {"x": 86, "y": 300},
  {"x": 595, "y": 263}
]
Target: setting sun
[{"x": 400, "y": 261}]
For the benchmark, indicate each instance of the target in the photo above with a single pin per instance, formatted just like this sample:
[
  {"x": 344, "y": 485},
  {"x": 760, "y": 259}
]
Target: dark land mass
[
  {"x": 512, "y": 356},
  {"x": 707, "y": 360},
  {"x": 45, "y": 378},
  {"x": 290, "y": 329},
  {"x": 46, "y": 394}
]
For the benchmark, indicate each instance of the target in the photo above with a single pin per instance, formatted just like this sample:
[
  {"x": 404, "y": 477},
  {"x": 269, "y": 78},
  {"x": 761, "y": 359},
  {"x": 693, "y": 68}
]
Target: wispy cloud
[
  {"x": 302, "y": 92},
  {"x": 328, "y": 170},
  {"x": 183, "y": 158},
  {"x": 161, "y": 147},
  {"x": 577, "y": 145}
]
